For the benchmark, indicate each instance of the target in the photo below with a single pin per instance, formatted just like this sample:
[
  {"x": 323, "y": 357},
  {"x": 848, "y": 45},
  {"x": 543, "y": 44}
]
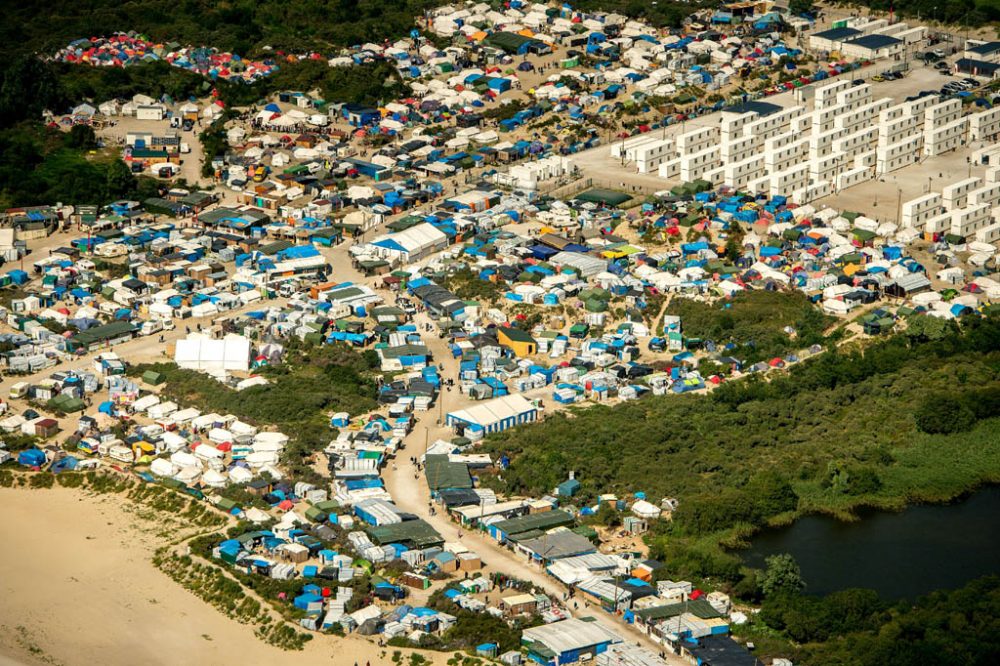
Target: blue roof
[
  {"x": 837, "y": 34},
  {"x": 984, "y": 49},
  {"x": 389, "y": 244},
  {"x": 298, "y": 252},
  {"x": 423, "y": 611},
  {"x": 874, "y": 41}
]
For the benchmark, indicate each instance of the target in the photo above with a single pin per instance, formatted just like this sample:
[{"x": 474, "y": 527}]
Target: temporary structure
[{"x": 198, "y": 352}]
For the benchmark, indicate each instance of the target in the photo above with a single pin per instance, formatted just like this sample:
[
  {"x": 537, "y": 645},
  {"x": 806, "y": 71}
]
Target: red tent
[{"x": 286, "y": 505}]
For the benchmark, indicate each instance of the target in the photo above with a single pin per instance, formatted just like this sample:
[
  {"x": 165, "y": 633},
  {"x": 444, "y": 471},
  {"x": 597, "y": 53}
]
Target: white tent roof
[
  {"x": 571, "y": 634},
  {"x": 494, "y": 411},
  {"x": 416, "y": 238},
  {"x": 198, "y": 352}
]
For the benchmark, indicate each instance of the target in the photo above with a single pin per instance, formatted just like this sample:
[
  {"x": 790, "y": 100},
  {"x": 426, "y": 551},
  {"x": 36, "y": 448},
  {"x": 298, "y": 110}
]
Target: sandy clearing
[{"x": 78, "y": 588}]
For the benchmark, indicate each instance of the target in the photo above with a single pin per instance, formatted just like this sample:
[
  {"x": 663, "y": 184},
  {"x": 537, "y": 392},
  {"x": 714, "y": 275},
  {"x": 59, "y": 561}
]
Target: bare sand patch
[{"x": 78, "y": 587}]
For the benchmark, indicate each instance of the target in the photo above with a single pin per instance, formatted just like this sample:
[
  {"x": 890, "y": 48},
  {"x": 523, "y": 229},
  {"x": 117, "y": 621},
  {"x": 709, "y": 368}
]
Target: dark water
[{"x": 900, "y": 555}]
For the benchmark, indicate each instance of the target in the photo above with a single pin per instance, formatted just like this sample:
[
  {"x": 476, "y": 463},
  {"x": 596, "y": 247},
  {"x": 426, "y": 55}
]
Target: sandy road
[
  {"x": 147, "y": 349},
  {"x": 410, "y": 492}
]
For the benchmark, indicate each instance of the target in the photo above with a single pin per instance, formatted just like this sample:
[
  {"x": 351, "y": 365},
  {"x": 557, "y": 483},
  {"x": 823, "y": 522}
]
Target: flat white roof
[
  {"x": 571, "y": 634},
  {"x": 494, "y": 411}
]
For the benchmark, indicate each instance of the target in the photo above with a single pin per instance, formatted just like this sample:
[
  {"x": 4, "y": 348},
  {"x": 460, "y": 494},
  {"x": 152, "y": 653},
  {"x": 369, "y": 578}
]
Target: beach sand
[{"x": 78, "y": 587}]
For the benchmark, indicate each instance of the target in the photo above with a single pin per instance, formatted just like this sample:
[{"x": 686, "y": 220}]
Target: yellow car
[{"x": 878, "y": 78}]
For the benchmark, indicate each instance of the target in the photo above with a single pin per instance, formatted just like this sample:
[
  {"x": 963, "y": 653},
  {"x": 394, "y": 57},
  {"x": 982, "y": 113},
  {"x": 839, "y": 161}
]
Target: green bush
[{"x": 943, "y": 415}]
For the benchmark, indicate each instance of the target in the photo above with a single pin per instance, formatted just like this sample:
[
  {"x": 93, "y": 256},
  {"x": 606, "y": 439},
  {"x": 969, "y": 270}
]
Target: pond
[{"x": 899, "y": 555}]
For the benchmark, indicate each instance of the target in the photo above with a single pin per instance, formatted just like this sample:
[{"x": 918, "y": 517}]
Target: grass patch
[
  {"x": 311, "y": 383},
  {"x": 754, "y": 321}
]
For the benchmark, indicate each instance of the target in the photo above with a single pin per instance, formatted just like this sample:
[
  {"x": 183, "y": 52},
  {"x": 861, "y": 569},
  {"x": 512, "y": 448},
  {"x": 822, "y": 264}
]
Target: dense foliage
[
  {"x": 856, "y": 627},
  {"x": 782, "y": 576},
  {"x": 301, "y": 393},
  {"x": 373, "y": 84},
  {"x": 31, "y": 173},
  {"x": 472, "y": 629},
  {"x": 246, "y": 27},
  {"x": 660, "y": 14},
  {"x": 972, "y": 13},
  {"x": 39, "y": 165},
  {"x": 467, "y": 285},
  {"x": 754, "y": 322}
]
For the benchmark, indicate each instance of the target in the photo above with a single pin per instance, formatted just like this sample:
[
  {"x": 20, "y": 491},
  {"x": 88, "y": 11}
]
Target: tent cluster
[
  {"x": 124, "y": 49},
  {"x": 841, "y": 259}
]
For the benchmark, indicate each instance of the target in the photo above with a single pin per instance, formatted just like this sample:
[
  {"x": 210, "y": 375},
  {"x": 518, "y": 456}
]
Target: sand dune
[{"x": 78, "y": 588}]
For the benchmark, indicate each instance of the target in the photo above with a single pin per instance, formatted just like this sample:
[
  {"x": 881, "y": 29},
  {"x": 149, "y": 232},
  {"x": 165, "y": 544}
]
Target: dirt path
[
  {"x": 146, "y": 349},
  {"x": 410, "y": 492}
]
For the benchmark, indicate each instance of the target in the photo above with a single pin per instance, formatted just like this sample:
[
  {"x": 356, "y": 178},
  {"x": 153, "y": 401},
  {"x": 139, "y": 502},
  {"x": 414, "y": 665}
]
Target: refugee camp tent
[
  {"x": 198, "y": 352},
  {"x": 494, "y": 415}
]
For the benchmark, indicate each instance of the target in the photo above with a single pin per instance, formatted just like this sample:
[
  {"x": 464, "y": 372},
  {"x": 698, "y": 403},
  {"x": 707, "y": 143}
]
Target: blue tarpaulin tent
[{"x": 31, "y": 458}]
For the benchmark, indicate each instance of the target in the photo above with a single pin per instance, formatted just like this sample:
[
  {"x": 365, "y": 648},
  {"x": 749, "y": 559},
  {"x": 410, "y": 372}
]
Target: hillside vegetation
[
  {"x": 973, "y": 13},
  {"x": 242, "y": 26},
  {"x": 39, "y": 165}
]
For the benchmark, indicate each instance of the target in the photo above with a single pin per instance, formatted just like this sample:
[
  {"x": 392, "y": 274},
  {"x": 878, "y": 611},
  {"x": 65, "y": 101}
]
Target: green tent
[
  {"x": 153, "y": 378},
  {"x": 315, "y": 514},
  {"x": 605, "y": 197}
]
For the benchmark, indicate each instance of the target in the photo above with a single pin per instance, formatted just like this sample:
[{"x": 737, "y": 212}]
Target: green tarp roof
[
  {"x": 442, "y": 473},
  {"x": 606, "y": 197},
  {"x": 697, "y": 607},
  {"x": 534, "y": 521},
  {"x": 510, "y": 42},
  {"x": 106, "y": 332},
  {"x": 413, "y": 533},
  {"x": 153, "y": 377}
]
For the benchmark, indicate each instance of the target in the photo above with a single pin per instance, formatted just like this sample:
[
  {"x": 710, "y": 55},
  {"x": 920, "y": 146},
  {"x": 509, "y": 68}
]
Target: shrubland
[{"x": 846, "y": 429}]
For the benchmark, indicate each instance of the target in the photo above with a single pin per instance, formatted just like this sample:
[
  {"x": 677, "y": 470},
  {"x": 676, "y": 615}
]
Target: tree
[
  {"x": 943, "y": 414},
  {"x": 81, "y": 137},
  {"x": 924, "y": 328},
  {"x": 734, "y": 242},
  {"x": 607, "y": 515},
  {"x": 799, "y": 7},
  {"x": 771, "y": 495},
  {"x": 27, "y": 88},
  {"x": 214, "y": 143},
  {"x": 782, "y": 575},
  {"x": 120, "y": 181}
]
